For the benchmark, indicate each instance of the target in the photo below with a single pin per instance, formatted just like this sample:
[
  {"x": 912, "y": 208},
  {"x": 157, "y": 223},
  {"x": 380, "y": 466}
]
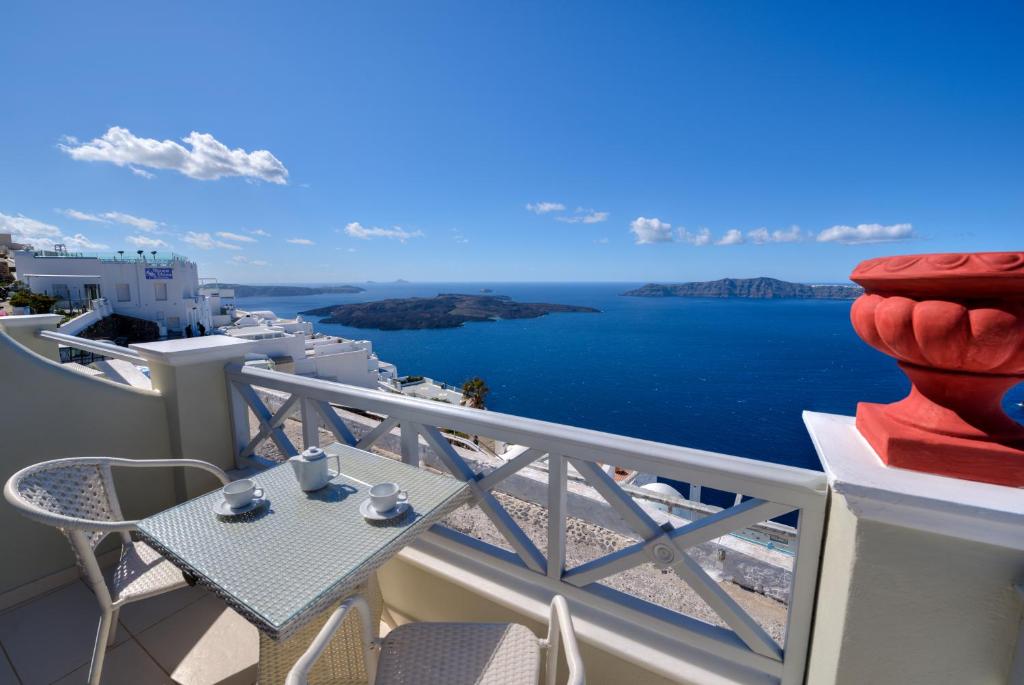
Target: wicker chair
[
  {"x": 451, "y": 653},
  {"x": 77, "y": 496},
  {"x": 341, "y": 659}
]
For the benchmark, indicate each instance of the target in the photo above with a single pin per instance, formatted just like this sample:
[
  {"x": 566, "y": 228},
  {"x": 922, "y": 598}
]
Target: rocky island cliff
[
  {"x": 442, "y": 311},
  {"x": 755, "y": 288}
]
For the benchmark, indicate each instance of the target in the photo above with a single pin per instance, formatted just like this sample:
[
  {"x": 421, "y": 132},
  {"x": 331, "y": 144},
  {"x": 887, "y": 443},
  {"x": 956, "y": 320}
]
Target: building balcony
[{"x": 857, "y": 573}]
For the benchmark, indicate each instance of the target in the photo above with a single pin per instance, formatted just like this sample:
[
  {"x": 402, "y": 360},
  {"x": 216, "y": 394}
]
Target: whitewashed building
[
  {"x": 163, "y": 288},
  {"x": 293, "y": 347}
]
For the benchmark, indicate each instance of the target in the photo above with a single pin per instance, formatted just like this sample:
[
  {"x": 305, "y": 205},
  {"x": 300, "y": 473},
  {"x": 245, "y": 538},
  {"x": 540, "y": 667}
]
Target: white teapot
[{"x": 310, "y": 469}]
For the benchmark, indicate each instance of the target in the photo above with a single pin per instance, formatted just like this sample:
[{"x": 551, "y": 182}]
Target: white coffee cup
[
  {"x": 240, "y": 492},
  {"x": 386, "y": 496}
]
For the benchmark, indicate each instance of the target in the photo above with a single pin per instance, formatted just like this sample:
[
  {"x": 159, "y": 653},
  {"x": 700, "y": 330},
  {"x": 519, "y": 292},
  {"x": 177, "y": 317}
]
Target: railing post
[
  {"x": 557, "y": 472},
  {"x": 201, "y": 417},
  {"x": 241, "y": 427},
  {"x": 310, "y": 424},
  {"x": 410, "y": 444}
]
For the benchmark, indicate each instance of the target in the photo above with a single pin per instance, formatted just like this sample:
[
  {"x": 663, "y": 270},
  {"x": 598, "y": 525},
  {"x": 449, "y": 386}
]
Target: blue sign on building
[{"x": 159, "y": 273}]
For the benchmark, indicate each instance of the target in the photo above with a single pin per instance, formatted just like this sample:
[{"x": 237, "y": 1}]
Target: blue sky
[{"x": 479, "y": 141}]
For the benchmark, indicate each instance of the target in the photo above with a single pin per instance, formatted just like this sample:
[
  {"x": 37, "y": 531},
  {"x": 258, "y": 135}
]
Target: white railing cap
[
  {"x": 963, "y": 509},
  {"x": 183, "y": 351},
  {"x": 29, "y": 320}
]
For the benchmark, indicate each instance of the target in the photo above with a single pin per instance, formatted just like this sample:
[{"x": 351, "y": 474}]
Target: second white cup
[
  {"x": 386, "y": 496},
  {"x": 240, "y": 492}
]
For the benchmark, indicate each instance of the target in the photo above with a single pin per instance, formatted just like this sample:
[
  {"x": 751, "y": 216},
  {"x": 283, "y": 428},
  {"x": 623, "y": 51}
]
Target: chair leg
[
  {"x": 100, "y": 648},
  {"x": 113, "y": 626}
]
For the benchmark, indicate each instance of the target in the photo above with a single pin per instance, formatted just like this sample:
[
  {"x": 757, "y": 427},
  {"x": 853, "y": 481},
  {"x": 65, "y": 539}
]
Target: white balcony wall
[
  {"x": 53, "y": 412},
  {"x": 918, "y": 573}
]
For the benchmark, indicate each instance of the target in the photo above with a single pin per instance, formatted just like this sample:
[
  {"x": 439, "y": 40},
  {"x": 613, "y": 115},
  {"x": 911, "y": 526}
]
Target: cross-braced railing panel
[{"x": 416, "y": 429}]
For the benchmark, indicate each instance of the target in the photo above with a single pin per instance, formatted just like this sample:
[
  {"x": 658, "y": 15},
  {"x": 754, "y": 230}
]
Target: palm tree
[{"x": 474, "y": 392}]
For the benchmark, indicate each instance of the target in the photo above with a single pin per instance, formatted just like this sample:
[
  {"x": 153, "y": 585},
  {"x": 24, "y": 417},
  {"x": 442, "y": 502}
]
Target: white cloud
[
  {"x": 43, "y": 236},
  {"x": 83, "y": 216},
  {"x": 143, "y": 241},
  {"x": 545, "y": 207},
  {"x": 793, "y": 234},
  {"x": 141, "y": 172},
  {"x": 584, "y": 216},
  {"x": 357, "y": 230},
  {"x": 866, "y": 233},
  {"x": 205, "y": 241},
  {"x": 760, "y": 236},
  {"x": 647, "y": 231},
  {"x": 129, "y": 220},
  {"x": 237, "y": 237},
  {"x": 208, "y": 159},
  {"x": 732, "y": 237},
  {"x": 242, "y": 259},
  {"x": 80, "y": 242},
  {"x": 300, "y": 241},
  {"x": 700, "y": 238},
  {"x": 113, "y": 217},
  {"x": 260, "y": 232}
]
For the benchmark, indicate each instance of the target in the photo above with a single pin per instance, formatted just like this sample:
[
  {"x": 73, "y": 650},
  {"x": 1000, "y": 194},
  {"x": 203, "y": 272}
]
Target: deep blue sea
[{"x": 730, "y": 376}]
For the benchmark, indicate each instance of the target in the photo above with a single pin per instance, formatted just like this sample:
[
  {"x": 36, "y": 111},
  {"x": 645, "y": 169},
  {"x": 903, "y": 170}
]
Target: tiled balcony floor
[{"x": 187, "y": 636}]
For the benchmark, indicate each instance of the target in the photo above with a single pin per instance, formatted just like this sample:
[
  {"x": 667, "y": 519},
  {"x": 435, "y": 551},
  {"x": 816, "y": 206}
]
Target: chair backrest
[{"x": 69, "y": 494}]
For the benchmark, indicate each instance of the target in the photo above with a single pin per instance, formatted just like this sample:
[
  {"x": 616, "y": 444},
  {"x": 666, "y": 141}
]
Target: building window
[
  {"x": 161, "y": 291},
  {"x": 173, "y": 323},
  {"x": 124, "y": 292}
]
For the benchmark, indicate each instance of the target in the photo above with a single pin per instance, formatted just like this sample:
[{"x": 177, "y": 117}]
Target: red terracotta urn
[{"x": 955, "y": 323}]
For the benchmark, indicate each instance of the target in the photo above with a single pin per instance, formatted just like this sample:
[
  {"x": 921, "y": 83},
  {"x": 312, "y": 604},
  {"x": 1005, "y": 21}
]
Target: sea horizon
[{"x": 315, "y": 284}]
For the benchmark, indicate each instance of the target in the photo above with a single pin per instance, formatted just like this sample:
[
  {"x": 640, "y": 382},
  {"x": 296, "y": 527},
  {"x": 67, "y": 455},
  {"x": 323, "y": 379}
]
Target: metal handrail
[{"x": 95, "y": 346}]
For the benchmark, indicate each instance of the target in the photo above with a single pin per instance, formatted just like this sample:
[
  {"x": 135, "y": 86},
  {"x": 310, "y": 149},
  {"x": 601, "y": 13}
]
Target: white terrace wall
[
  {"x": 50, "y": 412},
  {"x": 918, "y": 571}
]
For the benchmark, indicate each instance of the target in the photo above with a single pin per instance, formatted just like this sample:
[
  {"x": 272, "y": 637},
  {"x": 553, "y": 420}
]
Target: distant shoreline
[
  {"x": 763, "y": 288},
  {"x": 242, "y": 290}
]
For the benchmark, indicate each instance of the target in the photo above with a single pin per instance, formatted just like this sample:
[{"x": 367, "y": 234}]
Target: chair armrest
[
  {"x": 299, "y": 675},
  {"x": 560, "y": 629},
  {"x": 186, "y": 463}
]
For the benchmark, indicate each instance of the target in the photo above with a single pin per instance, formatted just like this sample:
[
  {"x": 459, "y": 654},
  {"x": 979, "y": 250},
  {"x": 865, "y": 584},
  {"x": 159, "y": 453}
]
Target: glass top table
[{"x": 300, "y": 553}]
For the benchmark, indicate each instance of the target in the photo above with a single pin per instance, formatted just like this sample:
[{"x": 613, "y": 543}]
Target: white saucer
[
  {"x": 371, "y": 514},
  {"x": 222, "y": 508}
]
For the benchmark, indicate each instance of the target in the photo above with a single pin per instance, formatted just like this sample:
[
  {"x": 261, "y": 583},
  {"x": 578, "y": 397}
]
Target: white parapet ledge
[
  {"x": 963, "y": 509},
  {"x": 30, "y": 320},
  {"x": 184, "y": 351}
]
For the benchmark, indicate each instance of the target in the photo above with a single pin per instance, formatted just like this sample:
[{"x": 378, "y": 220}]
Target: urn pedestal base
[{"x": 909, "y": 447}]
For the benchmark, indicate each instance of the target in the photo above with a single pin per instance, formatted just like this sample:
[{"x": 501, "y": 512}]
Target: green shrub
[{"x": 40, "y": 304}]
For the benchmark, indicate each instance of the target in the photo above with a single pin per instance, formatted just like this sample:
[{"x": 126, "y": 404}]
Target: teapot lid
[{"x": 313, "y": 454}]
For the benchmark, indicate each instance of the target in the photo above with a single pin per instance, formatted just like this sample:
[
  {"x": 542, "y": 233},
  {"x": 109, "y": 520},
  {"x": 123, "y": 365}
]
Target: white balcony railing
[
  {"x": 96, "y": 347},
  {"x": 769, "y": 491}
]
